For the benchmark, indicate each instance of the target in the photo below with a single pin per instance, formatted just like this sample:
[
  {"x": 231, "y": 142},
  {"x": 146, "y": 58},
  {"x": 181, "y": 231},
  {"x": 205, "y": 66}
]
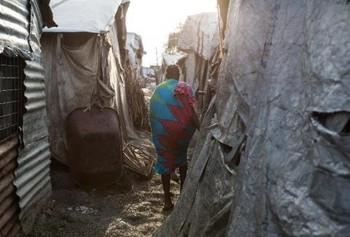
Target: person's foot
[
  {"x": 168, "y": 207},
  {"x": 168, "y": 204}
]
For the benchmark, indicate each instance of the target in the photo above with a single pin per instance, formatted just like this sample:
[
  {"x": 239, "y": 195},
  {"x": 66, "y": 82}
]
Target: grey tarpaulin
[
  {"x": 198, "y": 34},
  {"x": 284, "y": 83},
  {"x": 198, "y": 41}
]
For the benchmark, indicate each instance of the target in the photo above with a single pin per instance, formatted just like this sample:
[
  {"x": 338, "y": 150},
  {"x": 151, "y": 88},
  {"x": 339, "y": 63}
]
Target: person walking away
[{"x": 173, "y": 123}]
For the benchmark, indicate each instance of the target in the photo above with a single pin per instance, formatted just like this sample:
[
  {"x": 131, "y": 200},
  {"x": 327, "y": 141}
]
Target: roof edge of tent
[
  {"x": 62, "y": 30},
  {"x": 87, "y": 29}
]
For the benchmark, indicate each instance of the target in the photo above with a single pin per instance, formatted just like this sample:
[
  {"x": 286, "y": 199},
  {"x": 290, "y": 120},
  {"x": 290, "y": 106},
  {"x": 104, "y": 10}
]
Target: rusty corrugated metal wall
[
  {"x": 20, "y": 31},
  {"x": 9, "y": 221}
]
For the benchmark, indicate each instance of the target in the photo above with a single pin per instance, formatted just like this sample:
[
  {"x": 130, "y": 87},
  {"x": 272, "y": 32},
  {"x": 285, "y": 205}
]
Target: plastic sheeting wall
[
  {"x": 284, "y": 92},
  {"x": 198, "y": 34},
  {"x": 293, "y": 75},
  {"x": 20, "y": 30},
  {"x": 190, "y": 70},
  {"x": 199, "y": 39}
]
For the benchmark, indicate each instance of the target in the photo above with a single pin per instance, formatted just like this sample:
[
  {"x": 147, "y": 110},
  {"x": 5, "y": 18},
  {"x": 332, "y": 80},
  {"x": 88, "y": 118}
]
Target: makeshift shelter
[
  {"x": 273, "y": 159},
  {"x": 148, "y": 72},
  {"x": 133, "y": 68},
  {"x": 134, "y": 47},
  {"x": 85, "y": 61},
  {"x": 24, "y": 149},
  {"x": 169, "y": 59},
  {"x": 198, "y": 40}
]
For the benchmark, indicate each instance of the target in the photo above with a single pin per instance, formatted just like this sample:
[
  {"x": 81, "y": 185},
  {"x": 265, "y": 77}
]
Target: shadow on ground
[{"x": 116, "y": 210}]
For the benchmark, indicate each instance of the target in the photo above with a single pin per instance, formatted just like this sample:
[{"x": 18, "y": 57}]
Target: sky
[{"x": 155, "y": 19}]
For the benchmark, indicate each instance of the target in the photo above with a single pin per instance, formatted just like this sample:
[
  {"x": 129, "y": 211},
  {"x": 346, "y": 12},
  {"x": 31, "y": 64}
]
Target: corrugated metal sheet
[
  {"x": 14, "y": 25},
  {"x": 9, "y": 209},
  {"x": 35, "y": 27},
  {"x": 34, "y": 121},
  {"x": 20, "y": 31},
  {"x": 33, "y": 174},
  {"x": 33, "y": 181}
]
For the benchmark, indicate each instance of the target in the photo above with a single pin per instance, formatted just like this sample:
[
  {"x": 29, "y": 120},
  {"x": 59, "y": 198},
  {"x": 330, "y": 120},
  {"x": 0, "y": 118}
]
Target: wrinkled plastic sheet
[
  {"x": 289, "y": 63},
  {"x": 284, "y": 83},
  {"x": 198, "y": 34}
]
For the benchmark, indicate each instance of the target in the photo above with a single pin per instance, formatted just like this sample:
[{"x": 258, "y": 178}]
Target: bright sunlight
[{"x": 155, "y": 19}]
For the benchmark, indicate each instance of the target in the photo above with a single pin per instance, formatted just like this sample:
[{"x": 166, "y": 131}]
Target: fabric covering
[
  {"x": 73, "y": 62},
  {"x": 84, "y": 15},
  {"x": 172, "y": 129}
]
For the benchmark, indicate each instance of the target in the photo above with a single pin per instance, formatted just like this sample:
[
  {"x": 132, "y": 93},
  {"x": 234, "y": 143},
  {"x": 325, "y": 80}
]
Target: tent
[
  {"x": 83, "y": 60},
  {"x": 273, "y": 158},
  {"x": 135, "y": 50},
  {"x": 133, "y": 68},
  {"x": 198, "y": 40}
]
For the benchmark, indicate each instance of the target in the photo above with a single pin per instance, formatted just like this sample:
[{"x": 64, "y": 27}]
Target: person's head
[{"x": 172, "y": 72}]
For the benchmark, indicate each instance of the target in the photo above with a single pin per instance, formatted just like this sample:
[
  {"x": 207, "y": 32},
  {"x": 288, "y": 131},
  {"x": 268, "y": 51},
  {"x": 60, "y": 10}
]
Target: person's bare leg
[
  {"x": 183, "y": 172},
  {"x": 166, "y": 187}
]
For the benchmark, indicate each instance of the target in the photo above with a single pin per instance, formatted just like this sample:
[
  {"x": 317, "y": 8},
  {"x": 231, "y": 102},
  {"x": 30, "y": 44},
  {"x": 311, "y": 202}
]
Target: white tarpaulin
[
  {"x": 169, "y": 59},
  {"x": 83, "y": 15}
]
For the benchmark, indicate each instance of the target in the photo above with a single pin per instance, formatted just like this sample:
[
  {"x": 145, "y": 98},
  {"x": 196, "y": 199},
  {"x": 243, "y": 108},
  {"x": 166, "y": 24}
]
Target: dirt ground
[
  {"x": 124, "y": 209},
  {"x": 109, "y": 211}
]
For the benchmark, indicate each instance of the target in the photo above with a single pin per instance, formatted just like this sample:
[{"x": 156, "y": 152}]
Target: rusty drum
[{"x": 94, "y": 147}]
